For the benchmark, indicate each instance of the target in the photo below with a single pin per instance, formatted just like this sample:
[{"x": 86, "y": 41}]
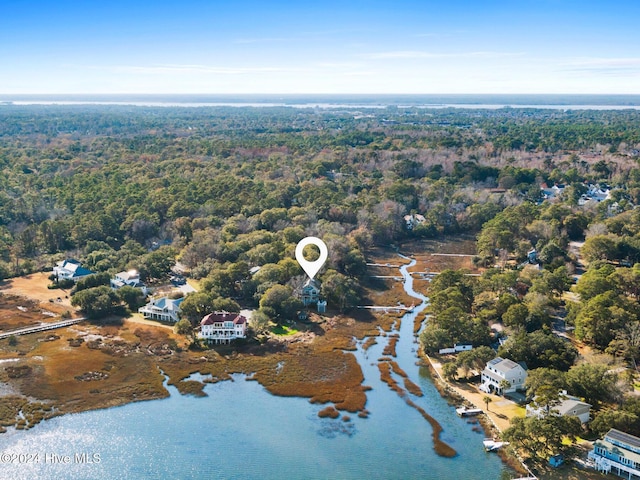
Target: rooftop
[
  {"x": 569, "y": 404},
  {"x": 623, "y": 437},
  {"x": 312, "y": 283},
  {"x": 219, "y": 317},
  {"x": 503, "y": 364},
  {"x": 131, "y": 274}
]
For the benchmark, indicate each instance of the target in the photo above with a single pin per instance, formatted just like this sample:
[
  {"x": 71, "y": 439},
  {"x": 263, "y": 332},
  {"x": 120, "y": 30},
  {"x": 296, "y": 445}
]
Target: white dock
[
  {"x": 468, "y": 412},
  {"x": 41, "y": 328},
  {"x": 396, "y": 308}
]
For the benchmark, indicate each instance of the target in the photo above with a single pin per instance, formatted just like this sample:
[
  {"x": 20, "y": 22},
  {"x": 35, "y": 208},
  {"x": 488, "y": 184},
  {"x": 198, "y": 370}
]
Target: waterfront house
[
  {"x": 70, "y": 269},
  {"x": 568, "y": 406},
  {"x": 502, "y": 376},
  {"x": 130, "y": 278},
  {"x": 165, "y": 309},
  {"x": 223, "y": 327},
  {"x": 618, "y": 452},
  {"x": 310, "y": 292}
]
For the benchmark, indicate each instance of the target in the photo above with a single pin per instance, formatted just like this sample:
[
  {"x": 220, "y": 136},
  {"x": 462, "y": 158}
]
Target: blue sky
[{"x": 374, "y": 46}]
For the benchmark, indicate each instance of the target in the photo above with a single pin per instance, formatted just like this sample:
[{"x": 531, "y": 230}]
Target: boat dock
[
  {"x": 491, "y": 445},
  {"x": 468, "y": 412}
]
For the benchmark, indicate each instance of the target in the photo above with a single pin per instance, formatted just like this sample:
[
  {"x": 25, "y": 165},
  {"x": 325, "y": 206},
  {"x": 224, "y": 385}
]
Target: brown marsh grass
[
  {"x": 390, "y": 348},
  {"x": 315, "y": 364}
]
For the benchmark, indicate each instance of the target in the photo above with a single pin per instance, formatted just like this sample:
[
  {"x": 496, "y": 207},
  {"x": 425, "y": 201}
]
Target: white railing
[
  {"x": 41, "y": 328},
  {"x": 604, "y": 464}
]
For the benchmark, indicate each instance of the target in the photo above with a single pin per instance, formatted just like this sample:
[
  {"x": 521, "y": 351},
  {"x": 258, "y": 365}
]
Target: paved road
[{"x": 41, "y": 328}]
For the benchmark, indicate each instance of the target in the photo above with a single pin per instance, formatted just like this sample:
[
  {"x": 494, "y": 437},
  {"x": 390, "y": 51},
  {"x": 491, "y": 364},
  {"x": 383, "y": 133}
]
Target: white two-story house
[
  {"x": 223, "y": 327},
  {"x": 498, "y": 372}
]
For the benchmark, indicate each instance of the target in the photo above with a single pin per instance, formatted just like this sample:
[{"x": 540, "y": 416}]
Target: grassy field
[{"x": 34, "y": 287}]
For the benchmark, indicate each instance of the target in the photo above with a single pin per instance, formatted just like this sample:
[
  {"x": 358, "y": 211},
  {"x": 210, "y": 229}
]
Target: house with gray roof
[
  {"x": 568, "y": 405},
  {"x": 502, "y": 375},
  {"x": 164, "y": 309}
]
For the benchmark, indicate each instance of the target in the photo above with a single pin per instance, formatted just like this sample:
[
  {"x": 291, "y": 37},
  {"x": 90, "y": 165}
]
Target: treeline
[
  {"x": 463, "y": 309},
  {"x": 75, "y": 175}
]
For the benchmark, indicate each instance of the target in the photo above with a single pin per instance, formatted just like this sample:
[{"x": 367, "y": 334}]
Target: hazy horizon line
[{"x": 547, "y": 98}]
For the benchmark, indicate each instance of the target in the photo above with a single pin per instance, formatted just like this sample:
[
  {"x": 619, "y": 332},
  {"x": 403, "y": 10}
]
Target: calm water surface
[{"x": 240, "y": 431}]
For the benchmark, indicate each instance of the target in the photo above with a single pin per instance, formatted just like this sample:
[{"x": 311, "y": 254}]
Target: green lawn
[{"x": 283, "y": 330}]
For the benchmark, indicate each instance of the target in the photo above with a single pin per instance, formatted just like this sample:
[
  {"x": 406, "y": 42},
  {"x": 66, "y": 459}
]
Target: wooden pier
[{"x": 41, "y": 328}]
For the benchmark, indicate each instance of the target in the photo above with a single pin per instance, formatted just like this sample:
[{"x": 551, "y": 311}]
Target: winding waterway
[{"x": 240, "y": 431}]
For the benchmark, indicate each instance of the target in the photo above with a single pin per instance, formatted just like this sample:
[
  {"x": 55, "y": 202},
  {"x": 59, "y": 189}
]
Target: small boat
[
  {"x": 491, "y": 445},
  {"x": 468, "y": 412}
]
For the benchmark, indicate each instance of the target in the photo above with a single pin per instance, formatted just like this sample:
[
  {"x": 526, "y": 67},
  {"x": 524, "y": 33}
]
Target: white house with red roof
[{"x": 223, "y": 327}]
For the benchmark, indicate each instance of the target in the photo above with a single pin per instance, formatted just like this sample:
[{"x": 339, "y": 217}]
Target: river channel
[{"x": 240, "y": 431}]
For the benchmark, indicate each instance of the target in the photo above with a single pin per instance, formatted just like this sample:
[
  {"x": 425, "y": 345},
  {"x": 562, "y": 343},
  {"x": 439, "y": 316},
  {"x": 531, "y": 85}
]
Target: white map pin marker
[{"x": 311, "y": 268}]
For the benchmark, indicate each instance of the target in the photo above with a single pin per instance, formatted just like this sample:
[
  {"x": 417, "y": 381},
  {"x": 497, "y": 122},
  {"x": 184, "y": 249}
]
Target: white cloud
[
  {"x": 629, "y": 62},
  {"x": 189, "y": 69},
  {"x": 414, "y": 54},
  {"x": 604, "y": 67}
]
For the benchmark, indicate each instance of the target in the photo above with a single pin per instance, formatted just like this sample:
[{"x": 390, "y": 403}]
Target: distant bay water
[{"x": 559, "y": 102}]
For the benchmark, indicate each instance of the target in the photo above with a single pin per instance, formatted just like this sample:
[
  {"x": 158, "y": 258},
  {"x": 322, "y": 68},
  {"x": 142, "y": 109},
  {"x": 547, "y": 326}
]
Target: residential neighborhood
[{"x": 498, "y": 248}]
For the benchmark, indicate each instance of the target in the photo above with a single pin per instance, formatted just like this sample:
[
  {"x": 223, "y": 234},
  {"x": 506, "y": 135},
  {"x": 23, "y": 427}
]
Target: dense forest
[
  {"x": 216, "y": 183},
  {"x": 224, "y": 190}
]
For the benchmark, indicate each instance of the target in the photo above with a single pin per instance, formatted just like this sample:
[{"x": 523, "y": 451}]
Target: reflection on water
[{"x": 240, "y": 431}]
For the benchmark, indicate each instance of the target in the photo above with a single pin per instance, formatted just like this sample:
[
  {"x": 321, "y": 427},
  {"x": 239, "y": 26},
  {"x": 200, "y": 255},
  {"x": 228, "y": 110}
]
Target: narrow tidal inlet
[{"x": 241, "y": 431}]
